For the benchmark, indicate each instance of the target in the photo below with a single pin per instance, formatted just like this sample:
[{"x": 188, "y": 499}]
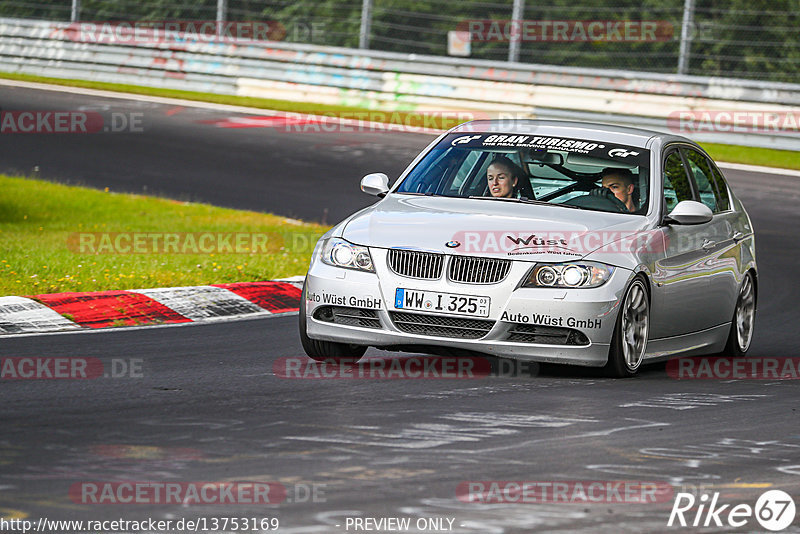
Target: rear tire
[
  {"x": 325, "y": 350},
  {"x": 629, "y": 342},
  {"x": 744, "y": 318}
]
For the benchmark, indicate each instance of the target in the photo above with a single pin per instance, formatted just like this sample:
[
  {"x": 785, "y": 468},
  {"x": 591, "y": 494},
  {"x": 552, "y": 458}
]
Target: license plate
[{"x": 431, "y": 301}]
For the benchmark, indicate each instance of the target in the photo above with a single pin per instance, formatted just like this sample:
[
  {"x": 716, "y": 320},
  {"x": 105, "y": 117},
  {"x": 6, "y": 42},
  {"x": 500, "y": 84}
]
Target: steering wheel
[{"x": 600, "y": 200}]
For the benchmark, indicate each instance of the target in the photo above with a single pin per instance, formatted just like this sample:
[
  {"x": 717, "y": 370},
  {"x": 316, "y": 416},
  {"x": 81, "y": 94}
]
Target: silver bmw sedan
[{"x": 544, "y": 241}]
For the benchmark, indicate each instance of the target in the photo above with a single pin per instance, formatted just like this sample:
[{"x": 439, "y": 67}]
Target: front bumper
[{"x": 592, "y": 312}]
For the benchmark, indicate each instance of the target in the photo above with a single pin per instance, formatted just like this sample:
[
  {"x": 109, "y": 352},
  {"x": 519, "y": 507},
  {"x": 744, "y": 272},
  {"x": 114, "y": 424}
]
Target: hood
[{"x": 488, "y": 228}]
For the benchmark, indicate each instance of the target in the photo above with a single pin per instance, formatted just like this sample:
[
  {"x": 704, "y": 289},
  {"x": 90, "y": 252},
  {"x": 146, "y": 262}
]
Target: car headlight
[
  {"x": 581, "y": 274},
  {"x": 341, "y": 253}
]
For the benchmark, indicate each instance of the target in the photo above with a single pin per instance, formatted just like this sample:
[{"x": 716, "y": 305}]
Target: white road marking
[{"x": 688, "y": 401}]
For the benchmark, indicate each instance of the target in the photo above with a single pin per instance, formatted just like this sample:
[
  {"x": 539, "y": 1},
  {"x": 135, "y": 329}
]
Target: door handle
[
  {"x": 737, "y": 236},
  {"x": 708, "y": 245}
]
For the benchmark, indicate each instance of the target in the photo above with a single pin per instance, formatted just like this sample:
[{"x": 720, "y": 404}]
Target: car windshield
[{"x": 577, "y": 173}]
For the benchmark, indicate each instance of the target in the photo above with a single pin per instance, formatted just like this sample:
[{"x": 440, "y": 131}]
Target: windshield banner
[{"x": 539, "y": 145}]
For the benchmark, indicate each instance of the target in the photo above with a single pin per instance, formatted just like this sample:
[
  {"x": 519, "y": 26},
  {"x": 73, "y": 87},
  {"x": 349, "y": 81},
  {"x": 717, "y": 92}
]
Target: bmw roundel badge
[{"x": 452, "y": 244}]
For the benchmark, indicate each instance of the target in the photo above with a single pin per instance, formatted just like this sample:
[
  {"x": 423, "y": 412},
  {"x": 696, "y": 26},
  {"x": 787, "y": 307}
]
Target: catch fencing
[{"x": 724, "y": 110}]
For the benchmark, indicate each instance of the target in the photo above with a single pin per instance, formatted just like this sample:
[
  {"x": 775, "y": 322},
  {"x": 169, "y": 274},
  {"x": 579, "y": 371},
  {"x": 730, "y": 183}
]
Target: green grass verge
[
  {"x": 53, "y": 241},
  {"x": 768, "y": 157},
  {"x": 786, "y": 159}
]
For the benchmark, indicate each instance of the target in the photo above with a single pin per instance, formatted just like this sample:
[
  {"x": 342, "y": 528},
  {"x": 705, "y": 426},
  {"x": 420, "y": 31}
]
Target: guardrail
[{"x": 391, "y": 81}]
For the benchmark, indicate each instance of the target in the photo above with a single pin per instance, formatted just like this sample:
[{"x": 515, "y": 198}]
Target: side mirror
[
  {"x": 689, "y": 212},
  {"x": 376, "y": 184}
]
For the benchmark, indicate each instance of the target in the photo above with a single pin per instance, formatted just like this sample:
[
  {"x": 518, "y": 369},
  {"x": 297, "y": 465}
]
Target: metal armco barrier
[{"x": 406, "y": 82}]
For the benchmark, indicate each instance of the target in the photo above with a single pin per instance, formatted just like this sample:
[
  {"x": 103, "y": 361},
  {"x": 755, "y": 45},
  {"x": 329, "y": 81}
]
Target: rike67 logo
[{"x": 774, "y": 510}]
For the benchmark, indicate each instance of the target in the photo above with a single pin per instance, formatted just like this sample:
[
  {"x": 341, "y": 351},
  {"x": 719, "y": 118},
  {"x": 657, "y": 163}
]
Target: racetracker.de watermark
[
  {"x": 70, "y": 122},
  {"x": 202, "y": 493},
  {"x": 191, "y": 242},
  {"x": 369, "y": 121},
  {"x": 734, "y": 121},
  {"x": 567, "y": 31},
  {"x": 727, "y": 368},
  {"x": 69, "y": 368},
  {"x": 195, "y": 492},
  {"x": 356, "y": 121},
  {"x": 155, "y": 32},
  {"x": 563, "y": 492},
  {"x": 411, "y": 368},
  {"x": 520, "y": 242}
]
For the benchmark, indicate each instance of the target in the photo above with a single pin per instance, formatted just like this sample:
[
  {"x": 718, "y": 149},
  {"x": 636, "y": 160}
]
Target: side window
[
  {"x": 464, "y": 170},
  {"x": 475, "y": 183},
  {"x": 515, "y": 157},
  {"x": 723, "y": 200},
  {"x": 546, "y": 180},
  {"x": 701, "y": 172},
  {"x": 676, "y": 182},
  {"x": 428, "y": 175}
]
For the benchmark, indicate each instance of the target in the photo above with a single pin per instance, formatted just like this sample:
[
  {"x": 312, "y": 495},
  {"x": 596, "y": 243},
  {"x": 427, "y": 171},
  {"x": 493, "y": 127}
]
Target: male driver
[{"x": 621, "y": 183}]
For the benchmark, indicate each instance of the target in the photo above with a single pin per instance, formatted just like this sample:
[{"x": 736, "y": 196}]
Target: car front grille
[
  {"x": 545, "y": 335},
  {"x": 471, "y": 270},
  {"x": 464, "y": 269},
  {"x": 362, "y": 317},
  {"x": 438, "y": 326},
  {"x": 416, "y": 264}
]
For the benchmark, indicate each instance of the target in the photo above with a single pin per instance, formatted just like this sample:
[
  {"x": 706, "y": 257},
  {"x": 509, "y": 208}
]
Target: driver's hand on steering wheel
[
  {"x": 602, "y": 192},
  {"x": 608, "y": 194}
]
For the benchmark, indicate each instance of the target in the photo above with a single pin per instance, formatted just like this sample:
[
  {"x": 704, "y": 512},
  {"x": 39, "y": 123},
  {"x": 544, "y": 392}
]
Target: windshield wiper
[
  {"x": 506, "y": 199},
  {"x": 525, "y": 200},
  {"x": 522, "y": 200},
  {"x": 428, "y": 194}
]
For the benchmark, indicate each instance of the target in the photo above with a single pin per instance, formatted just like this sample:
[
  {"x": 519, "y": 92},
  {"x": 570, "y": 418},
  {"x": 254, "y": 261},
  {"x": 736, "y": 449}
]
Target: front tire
[
  {"x": 744, "y": 318},
  {"x": 325, "y": 350},
  {"x": 629, "y": 342}
]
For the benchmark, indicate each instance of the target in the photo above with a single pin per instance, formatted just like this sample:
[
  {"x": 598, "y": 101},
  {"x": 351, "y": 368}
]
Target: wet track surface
[{"x": 208, "y": 406}]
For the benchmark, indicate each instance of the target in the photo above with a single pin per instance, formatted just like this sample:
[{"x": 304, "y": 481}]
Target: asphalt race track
[
  {"x": 205, "y": 405},
  {"x": 180, "y": 153}
]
